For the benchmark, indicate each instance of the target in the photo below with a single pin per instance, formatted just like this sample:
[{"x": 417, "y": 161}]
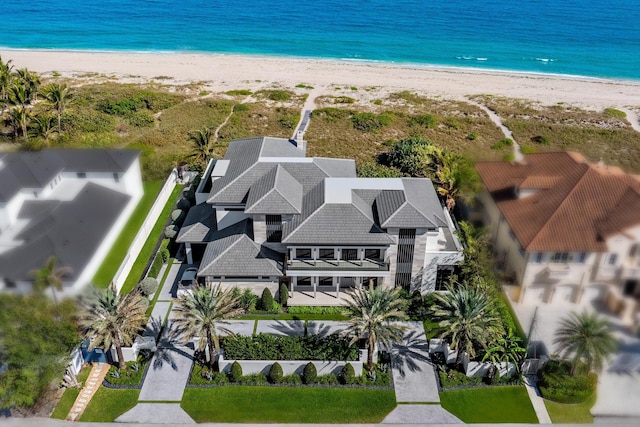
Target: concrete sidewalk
[{"x": 156, "y": 413}]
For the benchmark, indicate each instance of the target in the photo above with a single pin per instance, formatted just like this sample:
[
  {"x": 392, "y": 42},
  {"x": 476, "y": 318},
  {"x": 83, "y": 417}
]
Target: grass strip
[
  {"x": 108, "y": 404},
  {"x": 114, "y": 258},
  {"x": 579, "y": 413},
  {"x": 490, "y": 405},
  {"x": 147, "y": 250},
  {"x": 287, "y": 316},
  {"x": 253, "y": 404},
  {"x": 69, "y": 396}
]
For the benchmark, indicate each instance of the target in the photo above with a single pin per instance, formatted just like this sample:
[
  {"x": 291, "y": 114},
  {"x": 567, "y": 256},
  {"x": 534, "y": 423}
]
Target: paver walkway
[
  {"x": 415, "y": 382},
  {"x": 91, "y": 385},
  {"x": 156, "y": 413},
  {"x": 536, "y": 400}
]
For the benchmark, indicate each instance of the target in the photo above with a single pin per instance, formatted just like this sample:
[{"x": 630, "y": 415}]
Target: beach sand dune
[{"x": 223, "y": 72}]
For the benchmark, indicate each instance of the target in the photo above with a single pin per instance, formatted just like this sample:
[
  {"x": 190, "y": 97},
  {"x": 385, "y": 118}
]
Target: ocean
[{"x": 593, "y": 38}]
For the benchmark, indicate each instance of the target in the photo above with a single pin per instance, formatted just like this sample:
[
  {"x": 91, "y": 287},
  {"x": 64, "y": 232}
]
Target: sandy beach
[{"x": 223, "y": 72}]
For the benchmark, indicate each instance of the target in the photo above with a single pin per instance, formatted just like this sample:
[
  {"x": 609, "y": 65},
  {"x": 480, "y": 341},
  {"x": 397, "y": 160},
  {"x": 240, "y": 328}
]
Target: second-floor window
[
  {"x": 560, "y": 257},
  {"x": 303, "y": 253},
  {"x": 538, "y": 257},
  {"x": 326, "y": 254},
  {"x": 611, "y": 259},
  {"x": 581, "y": 257}
]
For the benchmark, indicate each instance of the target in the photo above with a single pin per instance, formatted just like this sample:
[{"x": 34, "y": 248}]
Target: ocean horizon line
[{"x": 346, "y": 60}]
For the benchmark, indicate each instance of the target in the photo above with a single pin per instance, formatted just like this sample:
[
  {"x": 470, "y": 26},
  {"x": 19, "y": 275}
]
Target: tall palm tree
[
  {"x": 108, "y": 318},
  {"x": 30, "y": 80},
  {"x": 202, "y": 144},
  {"x": 50, "y": 276},
  {"x": 6, "y": 75},
  {"x": 506, "y": 349},
  {"x": 467, "y": 318},
  {"x": 20, "y": 117},
  {"x": 373, "y": 313},
  {"x": 57, "y": 95},
  {"x": 585, "y": 337},
  {"x": 202, "y": 312},
  {"x": 455, "y": 178}
]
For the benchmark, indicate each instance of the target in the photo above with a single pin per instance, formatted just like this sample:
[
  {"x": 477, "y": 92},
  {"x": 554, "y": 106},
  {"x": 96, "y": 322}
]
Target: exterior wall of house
[
  {"x": 227, "y": 218},
  {"x": 392, "y": 254},
  {"x": 259, "y": 229}
]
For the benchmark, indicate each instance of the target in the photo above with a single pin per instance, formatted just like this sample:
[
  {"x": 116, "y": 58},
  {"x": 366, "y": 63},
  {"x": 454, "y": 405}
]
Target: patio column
[
  {"x": 314, "y": 280},
  {"x": 337, "y": 279},
  {"x": 187, "y": 249},
  {"x": 293, "y": 285}
]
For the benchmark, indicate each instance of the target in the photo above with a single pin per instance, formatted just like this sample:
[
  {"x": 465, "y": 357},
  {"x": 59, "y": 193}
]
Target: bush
[
  {"x": 612, "y": 112},
  {"x": 240, "y": 107},
  {"x": 278, "y": 95},
  {"x": 235, "y": 374},
  {"x": 541, "y": 139},
  {"x": 141, "y": 119},
  {"x": 183, "y": 204},
  {"x": 472, "y": 136},
  {"x": 254, "y": 379},
  {"x": 528, "y": 149},
  {"x": 368, "y": 122},
  {"x": 275, "y": 373},
  {"x": 155, "y": 268},
  {"x": 556, "y": 383},
  {"x": 270, "y": 347},
  {"x": 293, "y": 379},
  {"x": 170, "y": 231},
  {"x": 503, "y": 143},
  {"x": 241, "y": 92},
  {"x": 164, "y": 255},
  {"x": 425, "y": 120},
  {"x": 452, "y": 378},
  {"x": 330, "y": 379},
  {"x": 148, "y": 286},
  {"x": 310, "y": 374},
  {"x": 304, "y": 309},
  {"x": 284, "y": 294},
  {"x": 343, "y": 100},
  {"x": 266, "y": 301},
  {"x": 176, "y": 214},
  {"x": 348, "y": 374}
]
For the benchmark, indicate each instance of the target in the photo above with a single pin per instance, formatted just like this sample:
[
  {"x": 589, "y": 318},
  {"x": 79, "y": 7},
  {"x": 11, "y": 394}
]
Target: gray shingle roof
[
  {"x": 71, "y": 232},
  {"x": 235, "y": 254},
  {"x": 199, "y": 225},
  {"x": 276, "y": 193}
]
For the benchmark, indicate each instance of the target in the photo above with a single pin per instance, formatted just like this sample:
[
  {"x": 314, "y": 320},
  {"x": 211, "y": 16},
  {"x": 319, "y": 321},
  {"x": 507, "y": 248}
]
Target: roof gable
[{"x": 277, "y": 192}]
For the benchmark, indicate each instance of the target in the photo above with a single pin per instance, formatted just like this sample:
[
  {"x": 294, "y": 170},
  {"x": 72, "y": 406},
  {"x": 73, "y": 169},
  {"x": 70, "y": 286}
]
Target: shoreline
[{"x": 225, "y": 71}]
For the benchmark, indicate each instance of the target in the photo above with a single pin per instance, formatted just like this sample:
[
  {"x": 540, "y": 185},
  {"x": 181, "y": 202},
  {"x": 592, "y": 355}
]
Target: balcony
[
  {"x": 336, "y": 265},
  {"x": 558, "y": 271},
  {"x": 632, "y": 272}
]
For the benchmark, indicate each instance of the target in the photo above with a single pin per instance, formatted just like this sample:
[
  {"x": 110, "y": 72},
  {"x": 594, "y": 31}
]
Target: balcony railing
[{"x": 338, "y": 265}]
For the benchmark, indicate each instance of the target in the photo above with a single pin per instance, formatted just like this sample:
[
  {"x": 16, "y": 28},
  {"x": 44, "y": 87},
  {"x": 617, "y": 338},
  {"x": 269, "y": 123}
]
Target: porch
[{"x": 319, "y": 298}]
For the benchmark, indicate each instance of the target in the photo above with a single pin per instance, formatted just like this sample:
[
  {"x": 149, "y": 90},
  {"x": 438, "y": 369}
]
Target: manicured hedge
[
  {"x": 269, "y": 347},
  {"x": 557, "y": 384},
  {"x": 302, "y": 309}
]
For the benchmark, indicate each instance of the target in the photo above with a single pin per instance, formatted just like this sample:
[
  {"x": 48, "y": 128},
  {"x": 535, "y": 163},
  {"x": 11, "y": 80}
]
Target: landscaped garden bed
[
  {"x": 132, "y": 376},
  {"x": 557, "y": 383}
]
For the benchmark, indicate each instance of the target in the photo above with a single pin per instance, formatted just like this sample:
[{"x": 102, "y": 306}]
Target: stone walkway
[
  {"x": 536, "y": 400},
  {"x": 91, "y": 385},
  {"x": 415, "y": 382},
  {"x": 156, "y": 413}
]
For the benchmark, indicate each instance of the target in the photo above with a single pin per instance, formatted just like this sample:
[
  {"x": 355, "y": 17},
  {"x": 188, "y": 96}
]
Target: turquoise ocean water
[{"x": 593, "y": 38}]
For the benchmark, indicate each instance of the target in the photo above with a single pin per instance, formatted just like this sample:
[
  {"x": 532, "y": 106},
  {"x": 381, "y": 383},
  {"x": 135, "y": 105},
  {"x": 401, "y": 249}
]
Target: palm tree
[
  {"x": 43, "y": 125},
  {"x": 372, "y": 313},
  {"x": 202, "y": 144},
  {"x": 20, "y": 117},
  {"x": 506, "y": 349},
  {"x": 455, "y": 178},
  {"x": 202, "y": 312},
  {"x": 108, "y": 318},
  {"x": 467, "y": 318},
  {"x": 6, "y": 75},
  {"x": 585, "y": 337},
  {"x": 50, "y": 276},
  {"x": 30, "y": 80},
  {"x": 57, "y": 95}
]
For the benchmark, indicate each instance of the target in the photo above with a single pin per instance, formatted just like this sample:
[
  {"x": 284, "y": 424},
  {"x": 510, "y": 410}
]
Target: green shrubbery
[
  {"x": 283, "y": 294},
  {"x": 148, "y": 286},
  {"x": 269, "y": 347},
  {"x": 131, "y": 375},
  {"x": 275, "y": 373},
  {"x": 235, "y": 374},
  {"x": 503, "y": 143},
  {"x": 266, "y": 300},
  {"x": 156, "y": 266},
  {"x": 309, "y": 374},
  {"x": 452, "y": 378},
  {"x": 369, "y": 122},
  {"x": 556, "y": 383},
  {"x": 348, "y": 374},
  {"x": 425, "y": 120},
  {"x": 303, "y": 309}
]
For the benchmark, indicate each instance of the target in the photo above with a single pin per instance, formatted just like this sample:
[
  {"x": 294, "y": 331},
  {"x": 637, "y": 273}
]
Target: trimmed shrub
[
  {"x": 304, "y": 309},
  {"x": 293, "y": 379},
  {"x": 556, "y": 383},
  {"x": 183, "y": 204},
  {"x": 266, "y": 300},
  {"x": 176, "y": 214},
  {"x": 330, "y": 379},
  {"x": 164, "y": 255},
  {"x": 171, "y": 231},
  {"x": 254, "y": 379},
  {"x": 235, "y": 375},
  {"x": 348, "y": 374},
  {"x": 148, "y": 286},
  {"x": 310, "y": 373},
  {"x": 275, "y": 373},
  {"x": 156, "y": 265},
  {"x": 283, "y": 294}
]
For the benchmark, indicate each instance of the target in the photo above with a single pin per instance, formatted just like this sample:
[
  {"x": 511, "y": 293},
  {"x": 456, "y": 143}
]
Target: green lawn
[
  {"x": 490, "y": 405},
  {"x": 108, "y": 404},
  {"x": 247, "y": 404},
  {"x": 562, "y": 413},
  {"x": 69, "y": 396},
  {"x": 116, "y": 255},
  {"x": 150, "y": 244}
]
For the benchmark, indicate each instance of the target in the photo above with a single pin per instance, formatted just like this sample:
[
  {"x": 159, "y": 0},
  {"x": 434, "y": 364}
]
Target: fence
[{"x": 141, "y": 238}]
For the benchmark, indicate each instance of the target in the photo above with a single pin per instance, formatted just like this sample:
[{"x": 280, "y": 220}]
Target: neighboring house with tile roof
[
  {"x": 71, "y": 204},
  {"x": 567, "y": 229},
  {"x": 272, "y": 214}
]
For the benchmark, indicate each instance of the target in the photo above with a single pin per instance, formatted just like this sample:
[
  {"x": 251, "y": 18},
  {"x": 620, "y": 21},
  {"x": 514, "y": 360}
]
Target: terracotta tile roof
[{"x": 577, "y": 204}]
